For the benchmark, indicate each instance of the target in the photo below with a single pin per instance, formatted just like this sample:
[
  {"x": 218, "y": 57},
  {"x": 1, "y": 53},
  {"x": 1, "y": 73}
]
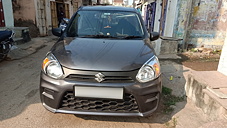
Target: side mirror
[
  {"x": 154, "y": 36},
  {"x": 57, "y": 31},
  {"x": 66, "y": 20}
]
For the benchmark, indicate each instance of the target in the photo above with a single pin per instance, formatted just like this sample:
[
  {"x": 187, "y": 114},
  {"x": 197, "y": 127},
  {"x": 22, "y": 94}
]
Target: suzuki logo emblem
[{"x": 99, "y": 77}]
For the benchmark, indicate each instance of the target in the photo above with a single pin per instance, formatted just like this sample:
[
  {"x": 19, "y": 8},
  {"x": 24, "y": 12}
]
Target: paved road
[{"x": 20, "y": 104}]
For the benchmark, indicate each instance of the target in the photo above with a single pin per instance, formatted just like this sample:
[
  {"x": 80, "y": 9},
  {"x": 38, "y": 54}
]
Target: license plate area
[{"x": 98, "y": 92}]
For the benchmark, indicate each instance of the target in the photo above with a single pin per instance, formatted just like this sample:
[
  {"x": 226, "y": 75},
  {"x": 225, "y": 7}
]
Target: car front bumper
[{"x": 146, "y": 96}]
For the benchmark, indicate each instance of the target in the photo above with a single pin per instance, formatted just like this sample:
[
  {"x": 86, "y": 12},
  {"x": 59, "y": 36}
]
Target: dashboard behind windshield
[{"x": 105, "y": 24}]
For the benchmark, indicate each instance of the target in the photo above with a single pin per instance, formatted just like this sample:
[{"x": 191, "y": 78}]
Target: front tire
[{"x": 4, "y": 50}]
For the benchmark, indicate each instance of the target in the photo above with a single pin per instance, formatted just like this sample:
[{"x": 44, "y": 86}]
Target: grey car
[{"x": 102, "y": 64}]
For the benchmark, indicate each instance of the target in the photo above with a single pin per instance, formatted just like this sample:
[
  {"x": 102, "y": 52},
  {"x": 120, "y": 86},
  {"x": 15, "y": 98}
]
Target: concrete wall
[
  {"x": 106, "y": 1},
  {"x": 202, "y": 22},
  {"x": 170, "y": 18},
  {"x": 209, "y": 22},
  {"x": 196, "y": 90},
  {"x": 182, "y": 20},
  {"x": 157, "y": 15},
  {"x": 8, "y": 13},
  {"x": 24, "y": 9},
  {"x": 158, "y": 42},
  {"x": 48, "y": 14},
  {"x": 222, "y": 67},
  {"x": 170, "y": 21}
]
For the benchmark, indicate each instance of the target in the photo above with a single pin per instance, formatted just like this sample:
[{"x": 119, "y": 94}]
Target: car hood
[{"x": 102, "y": 54}]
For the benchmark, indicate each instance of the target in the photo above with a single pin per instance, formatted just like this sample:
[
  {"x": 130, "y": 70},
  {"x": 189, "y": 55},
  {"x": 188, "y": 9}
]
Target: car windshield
[{"x": 106, "y": 24}]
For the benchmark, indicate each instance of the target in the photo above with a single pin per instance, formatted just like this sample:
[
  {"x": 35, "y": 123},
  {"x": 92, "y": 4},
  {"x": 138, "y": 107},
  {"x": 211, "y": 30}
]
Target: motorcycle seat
[{"x": 5, "y": 35}]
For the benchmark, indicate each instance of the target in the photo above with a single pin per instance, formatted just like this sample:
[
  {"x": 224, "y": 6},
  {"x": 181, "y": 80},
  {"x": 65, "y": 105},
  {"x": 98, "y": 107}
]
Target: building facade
[
  {"x": 159, "y": 16},
  {"x": 198, "y": 23},
  {"x": 106, "y": 2},
  {"x": 6, "y": 14},
  {"x": 43, "y": 13},
  {"x": 202, "y": 22},
  {"x": 118, "y": 3}
]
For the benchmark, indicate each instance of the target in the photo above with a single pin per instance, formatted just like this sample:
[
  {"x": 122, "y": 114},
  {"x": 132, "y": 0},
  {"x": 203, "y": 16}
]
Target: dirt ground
[
  {"x": 202, "y": 65},
  {"x": 200, "y": 61}
]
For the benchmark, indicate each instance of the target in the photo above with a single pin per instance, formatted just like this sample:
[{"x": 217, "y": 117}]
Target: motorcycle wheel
[{"x": 4, "y": 50}]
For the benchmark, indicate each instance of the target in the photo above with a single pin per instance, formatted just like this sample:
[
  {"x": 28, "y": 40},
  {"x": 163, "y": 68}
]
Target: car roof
[{"x": 109, "y": 8}]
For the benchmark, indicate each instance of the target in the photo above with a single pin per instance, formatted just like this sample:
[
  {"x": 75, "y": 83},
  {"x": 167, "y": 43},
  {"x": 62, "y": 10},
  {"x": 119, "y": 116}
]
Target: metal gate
[{"x": 2, "y": 20}]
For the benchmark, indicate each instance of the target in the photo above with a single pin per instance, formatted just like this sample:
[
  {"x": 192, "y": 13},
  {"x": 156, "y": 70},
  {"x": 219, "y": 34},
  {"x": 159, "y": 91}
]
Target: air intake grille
[
  {"x": 107, "y": 79},
  {"x": 128, "y": 104}
]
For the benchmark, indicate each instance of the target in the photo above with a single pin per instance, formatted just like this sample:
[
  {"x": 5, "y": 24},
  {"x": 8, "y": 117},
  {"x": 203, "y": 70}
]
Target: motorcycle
[
  {"x": 63, "y": 24},
  {"x": 6, "y": 42},
  {"x": 58, "y": 31}
]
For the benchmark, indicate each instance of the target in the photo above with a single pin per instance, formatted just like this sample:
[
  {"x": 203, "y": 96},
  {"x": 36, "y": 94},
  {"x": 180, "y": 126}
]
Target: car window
[{"x": 106, "y": 24}]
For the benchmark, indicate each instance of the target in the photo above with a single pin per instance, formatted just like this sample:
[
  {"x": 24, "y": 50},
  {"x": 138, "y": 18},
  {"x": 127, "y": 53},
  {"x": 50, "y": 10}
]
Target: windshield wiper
[
  {"x": 132, "y": 37},
  {"x": 98, "y": 36}
]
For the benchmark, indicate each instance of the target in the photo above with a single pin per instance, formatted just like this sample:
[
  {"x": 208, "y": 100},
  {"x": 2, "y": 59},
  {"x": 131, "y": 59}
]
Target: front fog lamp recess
[
  {"x": 149, "y": 71},
  {"x": 51, "y": 67}
]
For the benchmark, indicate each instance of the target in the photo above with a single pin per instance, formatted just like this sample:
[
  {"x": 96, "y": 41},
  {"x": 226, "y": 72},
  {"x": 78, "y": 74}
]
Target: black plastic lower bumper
[{"x": 146, "y": 95}]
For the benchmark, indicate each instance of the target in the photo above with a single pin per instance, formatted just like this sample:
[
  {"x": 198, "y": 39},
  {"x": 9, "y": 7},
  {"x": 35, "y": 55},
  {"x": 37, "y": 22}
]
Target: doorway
[
  {"x": 2, "y": 20},
  {"x": 150, "y": 14},
  {"x": 55, "y": 8}
]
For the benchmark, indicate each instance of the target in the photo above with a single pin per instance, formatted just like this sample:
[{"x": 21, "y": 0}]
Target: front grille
[
  {"x": 128, "y": 104},
  {"x": 107, "y": 79}
]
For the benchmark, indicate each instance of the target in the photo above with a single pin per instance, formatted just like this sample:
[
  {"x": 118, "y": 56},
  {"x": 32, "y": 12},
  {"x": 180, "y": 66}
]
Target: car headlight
[
  {"x": 149, "y": 71},
  {"x": 52, "y": 67}
]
